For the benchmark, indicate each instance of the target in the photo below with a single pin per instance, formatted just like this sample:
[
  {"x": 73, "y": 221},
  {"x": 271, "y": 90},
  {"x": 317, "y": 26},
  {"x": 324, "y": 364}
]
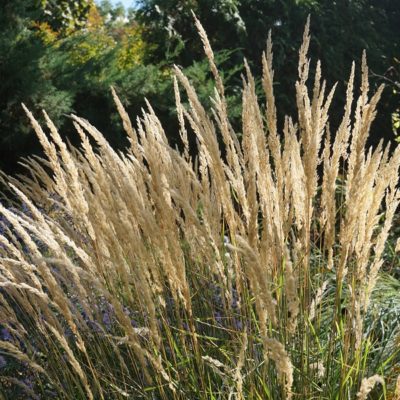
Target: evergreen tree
[{"x": 23, "y": 79}]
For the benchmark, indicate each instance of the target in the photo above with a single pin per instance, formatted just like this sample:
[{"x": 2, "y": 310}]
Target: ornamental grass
[{"x": 249, "y": 271}]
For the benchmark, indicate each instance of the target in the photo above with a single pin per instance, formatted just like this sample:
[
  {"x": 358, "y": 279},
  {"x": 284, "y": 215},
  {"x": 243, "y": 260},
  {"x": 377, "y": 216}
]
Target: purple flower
[
  {"x": 3, "y": 362},
  {"x": 218, "y": 317},
  {"x": 237, "y": 323},
  {"x": 185, "y": 326},
  {"x": 134, "y": 323},
  {"x": 107, "y": 319},
  {"x": 5, "y": 334},
  {"x": 28, "y": 382}
]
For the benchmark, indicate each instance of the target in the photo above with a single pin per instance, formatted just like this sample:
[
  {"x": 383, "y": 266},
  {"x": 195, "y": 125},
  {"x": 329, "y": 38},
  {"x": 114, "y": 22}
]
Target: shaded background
[{"x": 64, "y": 55}]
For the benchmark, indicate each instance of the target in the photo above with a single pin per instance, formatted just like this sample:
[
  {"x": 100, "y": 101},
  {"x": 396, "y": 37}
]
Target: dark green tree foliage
[
  {"x": 169, "y": 25},
  {"x": 27, "y": 75},
  {"x": 73, "y": 74},
  {"x": 71, "y": 69},
  {"x": 23, "y": 79},
  {"x": 341, "y": 30},
  {"x": 89, "y": 84}
]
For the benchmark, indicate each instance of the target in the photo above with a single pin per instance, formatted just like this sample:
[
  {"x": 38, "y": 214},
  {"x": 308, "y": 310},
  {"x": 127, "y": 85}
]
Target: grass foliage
[{"x": 249, "y": 272}]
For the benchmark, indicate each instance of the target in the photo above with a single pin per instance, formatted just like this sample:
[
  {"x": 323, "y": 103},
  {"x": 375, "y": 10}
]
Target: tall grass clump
[{"x": 251, "y": 271}]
